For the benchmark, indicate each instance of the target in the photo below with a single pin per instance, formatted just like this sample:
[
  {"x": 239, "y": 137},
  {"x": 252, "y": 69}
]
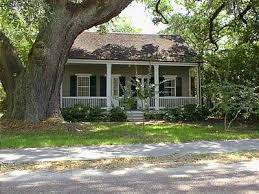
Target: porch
[{"x": 98, "y": 83}]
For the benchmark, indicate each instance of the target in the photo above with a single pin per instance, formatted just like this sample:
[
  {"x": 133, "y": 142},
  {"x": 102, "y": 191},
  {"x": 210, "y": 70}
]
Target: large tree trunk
[{"x": 34, "y": 94}]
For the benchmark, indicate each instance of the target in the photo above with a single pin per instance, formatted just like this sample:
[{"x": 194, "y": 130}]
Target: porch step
[{"x": 135, "y": 116}]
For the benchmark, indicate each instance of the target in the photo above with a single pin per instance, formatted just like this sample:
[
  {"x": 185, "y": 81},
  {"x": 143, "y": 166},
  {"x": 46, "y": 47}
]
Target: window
[
  {"x": 116, "y": 86},
  {"x": 83, "y": 85},
  {"x": 170, "y": 87}
]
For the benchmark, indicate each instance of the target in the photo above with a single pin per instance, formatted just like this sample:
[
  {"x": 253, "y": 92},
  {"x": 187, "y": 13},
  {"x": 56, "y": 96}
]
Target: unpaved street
[{"x": 242, "y": 177}]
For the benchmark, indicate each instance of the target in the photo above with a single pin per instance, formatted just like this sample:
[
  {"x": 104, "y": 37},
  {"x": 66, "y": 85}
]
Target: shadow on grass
[{"x": 119, "y": 133}]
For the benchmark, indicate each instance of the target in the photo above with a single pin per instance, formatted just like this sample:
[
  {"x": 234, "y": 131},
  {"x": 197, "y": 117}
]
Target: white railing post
[
  {"x": 198, "y": 85},
  {"x": 109, "y": 85},
  {"x": 156, "y": 80}
]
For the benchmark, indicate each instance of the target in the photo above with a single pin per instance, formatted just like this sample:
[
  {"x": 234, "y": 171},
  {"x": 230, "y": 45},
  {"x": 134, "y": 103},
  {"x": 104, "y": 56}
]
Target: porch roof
[{"x": 132, "y": 47}]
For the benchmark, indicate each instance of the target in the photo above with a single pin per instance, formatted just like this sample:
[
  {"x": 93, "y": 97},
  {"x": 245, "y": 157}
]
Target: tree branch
[
  {"x": 95, "y": 12},
  {"x": 235, "y": 117},
  {"x": 164, "y": 21},
  {"x": 10, "y": 64},
  {"x": 244, "y": 12},
  {"x": 211, "y": 24}
]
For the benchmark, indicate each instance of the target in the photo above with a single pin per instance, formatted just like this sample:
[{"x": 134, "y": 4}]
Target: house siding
[{"x": 123, "y": 70}]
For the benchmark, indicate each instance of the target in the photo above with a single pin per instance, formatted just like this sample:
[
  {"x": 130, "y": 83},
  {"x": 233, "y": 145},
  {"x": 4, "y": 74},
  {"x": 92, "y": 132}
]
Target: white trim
[
  {"x": 118, "y": 87},
  {"x": 176, "y": 97},
  {"x": 83, "y": 74},
  {"x": 156, "y": 81},
  {"x": 109, "y": 85},
  {"x": 84, "y": 97},
  {"x": 116, "y": 75},
  {"x": 118, "y": 62},
  {"x": 172, "y": 78}
]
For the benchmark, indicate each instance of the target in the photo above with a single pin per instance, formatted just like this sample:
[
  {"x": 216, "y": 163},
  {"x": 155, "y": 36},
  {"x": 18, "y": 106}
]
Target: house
[{"x": 100, "y": 65}]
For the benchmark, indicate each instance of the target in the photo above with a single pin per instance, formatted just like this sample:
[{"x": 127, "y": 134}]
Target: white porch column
[
  {"x": 109, "y": 85},
  {"x": 156, "y": 80},
  {"x": 198, "y": 85}
]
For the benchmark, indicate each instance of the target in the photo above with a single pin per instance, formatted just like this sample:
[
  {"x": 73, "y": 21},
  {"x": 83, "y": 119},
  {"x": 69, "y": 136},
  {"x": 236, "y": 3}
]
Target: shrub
[
  {"x": 76, "y": 113},
  {"x": 117, "y": 115},
  {"x": 154, "y": 115},
  {"x": 175, "y": 114},
  {"x": 80, "y": 113},
  {"x": 190, "y": 112},
  {"x": 96, "y": 114}
]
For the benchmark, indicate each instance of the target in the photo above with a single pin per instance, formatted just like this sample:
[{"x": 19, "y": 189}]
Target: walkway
[{"x": 137, "y": 150}]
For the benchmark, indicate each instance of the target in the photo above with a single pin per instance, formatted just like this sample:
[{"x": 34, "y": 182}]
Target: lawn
[{"x": 49, "y": 135}]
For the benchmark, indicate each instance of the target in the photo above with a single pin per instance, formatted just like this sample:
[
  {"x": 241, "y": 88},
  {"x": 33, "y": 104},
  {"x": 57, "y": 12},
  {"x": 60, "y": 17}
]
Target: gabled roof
[{"x": 131, "y": 47}]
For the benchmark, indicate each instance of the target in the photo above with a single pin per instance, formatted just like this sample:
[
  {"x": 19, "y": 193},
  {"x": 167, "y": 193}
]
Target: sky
[{"x": 140, "y": 18}]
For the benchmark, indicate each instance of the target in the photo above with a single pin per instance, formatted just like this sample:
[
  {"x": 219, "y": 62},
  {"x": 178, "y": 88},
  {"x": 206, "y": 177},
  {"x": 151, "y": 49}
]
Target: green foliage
[
  {"x": 3, "y": 103},
  {"x": 117, "y": 115},
  {"x": 234, "y": 100},
  {"x": 128, "y": 100},
  {"x": 80, "y": 113},
  {"x": 190, "y": 112},
  {"x": 118, "y": 24},
  {"x": 20, "y": 21},
  {"x": 154, "y": 115},
  {"x": 119, "y": 134}
]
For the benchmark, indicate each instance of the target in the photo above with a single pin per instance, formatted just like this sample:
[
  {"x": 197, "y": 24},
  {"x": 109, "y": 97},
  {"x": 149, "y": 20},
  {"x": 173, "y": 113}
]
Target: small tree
[{"x": 235, "y": 100}]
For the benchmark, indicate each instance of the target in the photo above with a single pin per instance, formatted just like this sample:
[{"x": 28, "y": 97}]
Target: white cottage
[{"x": 99, "y": 65}]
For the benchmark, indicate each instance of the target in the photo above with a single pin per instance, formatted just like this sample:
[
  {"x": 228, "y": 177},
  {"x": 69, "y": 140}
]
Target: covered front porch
[{"x": 100, "y": 83}]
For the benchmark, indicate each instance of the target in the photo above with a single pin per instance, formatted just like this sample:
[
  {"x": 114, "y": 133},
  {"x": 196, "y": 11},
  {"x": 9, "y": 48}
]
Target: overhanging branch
[
  {"x": 164, "y": 21},
  {"x": 211, "y": 24},
  {"x": 10, "y": 64}
]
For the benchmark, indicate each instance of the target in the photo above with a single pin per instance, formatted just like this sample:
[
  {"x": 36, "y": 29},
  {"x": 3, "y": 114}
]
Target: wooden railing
[
  {"x": 164, "y": 102},
  {"x": 171, "y": 102},
  {"x": 86, "y": 101}
]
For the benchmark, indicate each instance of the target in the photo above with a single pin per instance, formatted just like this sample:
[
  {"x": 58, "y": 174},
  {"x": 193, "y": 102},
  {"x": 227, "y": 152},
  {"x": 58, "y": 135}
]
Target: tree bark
[{"x": 34, "y": 94}]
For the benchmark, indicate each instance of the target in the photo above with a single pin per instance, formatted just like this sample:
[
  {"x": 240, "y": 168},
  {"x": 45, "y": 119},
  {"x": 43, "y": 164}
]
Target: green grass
[{"x": 120, "y": 133}]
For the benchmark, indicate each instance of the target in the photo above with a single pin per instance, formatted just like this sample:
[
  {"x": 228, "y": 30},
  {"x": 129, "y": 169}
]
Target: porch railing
[
  {"x": 164, "y": 102},
  {"x": 171, "y": 102},
  {"x": 86, "y": 101}
]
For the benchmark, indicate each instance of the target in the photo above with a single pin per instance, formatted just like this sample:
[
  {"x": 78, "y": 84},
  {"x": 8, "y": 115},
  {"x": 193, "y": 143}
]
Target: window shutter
[
  {"x": 133, "y": 87},
  {"x": 102, "y": 86},
  {"x": 161, "y": 86},
  {"x": 152, "y": 80},
  {"x": 122, "y": 84},
  {"x": 93, "y": 86},
  {"x": 193, "y": 86},
  {"x": 73, "y": 85},
  {"x": 178, "y": 86}
]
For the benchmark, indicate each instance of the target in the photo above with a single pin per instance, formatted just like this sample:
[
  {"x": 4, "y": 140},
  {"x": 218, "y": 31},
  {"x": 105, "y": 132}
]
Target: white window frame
[
  {"x": 77, "y": 86},
  {"x": 114, "y": 76},
  {"x": 170, "y": 78}
]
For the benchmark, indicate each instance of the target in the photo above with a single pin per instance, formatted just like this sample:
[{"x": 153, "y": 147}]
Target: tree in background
[
  {"x": 233, "y": 100},
  {"x": 118, "y": 24}
]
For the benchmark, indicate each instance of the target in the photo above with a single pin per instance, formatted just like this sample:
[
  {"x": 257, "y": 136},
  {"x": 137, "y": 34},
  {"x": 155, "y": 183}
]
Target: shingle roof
[{"x": 131, "y": 47}]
